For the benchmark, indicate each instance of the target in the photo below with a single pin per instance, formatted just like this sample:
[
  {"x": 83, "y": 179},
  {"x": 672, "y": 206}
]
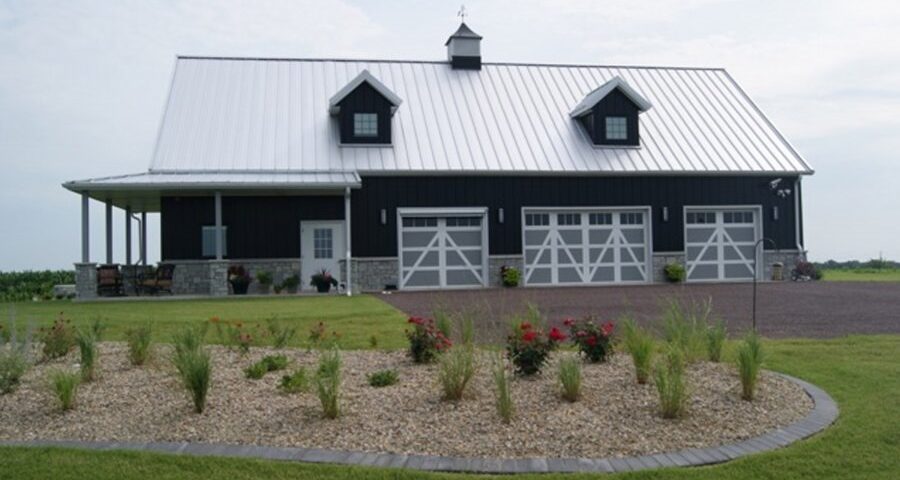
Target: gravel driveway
[{"x": 816, "y": 310}]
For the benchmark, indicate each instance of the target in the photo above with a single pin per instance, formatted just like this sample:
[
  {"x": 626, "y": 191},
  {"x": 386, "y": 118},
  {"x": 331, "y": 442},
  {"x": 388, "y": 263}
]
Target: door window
[{"x": 323, "y": 242}]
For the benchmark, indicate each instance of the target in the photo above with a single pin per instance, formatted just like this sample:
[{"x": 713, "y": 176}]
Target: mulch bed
[
  {"x": 615, "y": 417},
  {"x": 784, "y": 310}
]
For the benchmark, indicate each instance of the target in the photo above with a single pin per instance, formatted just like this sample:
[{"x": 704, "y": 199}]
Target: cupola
[{"x": 464, "y": 49}]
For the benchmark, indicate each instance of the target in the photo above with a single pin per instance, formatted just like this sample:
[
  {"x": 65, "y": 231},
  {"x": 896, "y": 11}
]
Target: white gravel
[{"x": 615, "y": 417}]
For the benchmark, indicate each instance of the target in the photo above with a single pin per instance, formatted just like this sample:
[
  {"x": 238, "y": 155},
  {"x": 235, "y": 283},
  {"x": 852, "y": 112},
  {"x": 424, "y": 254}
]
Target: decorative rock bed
[{"x": 615, "y": 418}]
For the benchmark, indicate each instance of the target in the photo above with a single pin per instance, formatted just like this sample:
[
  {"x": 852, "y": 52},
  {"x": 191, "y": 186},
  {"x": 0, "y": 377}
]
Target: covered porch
[{"x": 136, "y": 196}]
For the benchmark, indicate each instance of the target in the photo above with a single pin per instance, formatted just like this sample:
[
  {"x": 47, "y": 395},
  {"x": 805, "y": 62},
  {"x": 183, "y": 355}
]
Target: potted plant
[
  {"x": 509, "y": 276},
  {"x": 265, "y": 280},
  {"x": 239, "y": 279},
  {"x": 291, "y": 283},
  {"x": 323, "y": 281}
]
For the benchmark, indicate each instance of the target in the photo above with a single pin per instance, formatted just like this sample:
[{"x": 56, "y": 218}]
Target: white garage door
[
  {"x": 586, "y": 246},
  {"x": 442, "y": 248},
  {"x": 720, "y": 243}
]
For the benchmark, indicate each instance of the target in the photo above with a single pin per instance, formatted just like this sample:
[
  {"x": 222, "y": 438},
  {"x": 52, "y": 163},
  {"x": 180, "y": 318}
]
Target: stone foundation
[
  {"x": 210, "y": 277},
  {"x": 786, "y": 257},
  {"x": 85, "y": 280},
  {"x": 372, "y": 274},
  {"x": 495, "y": 262}
]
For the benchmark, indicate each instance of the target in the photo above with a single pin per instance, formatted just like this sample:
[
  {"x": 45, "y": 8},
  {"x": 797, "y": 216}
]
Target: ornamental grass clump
[
  {"x": 328, "y": 382},
  {"x": 570, "y": 378},
  {"x": 140, "y": 341},
  {"x": 383, "y": 378},
  {"x": 715, "y": 340},
  {"x": 295, "y": 382},
  {"x": 457, "y": 367},
  {"x": 593, "y": 340},
  {"x": 280, "y": 333},
  {"x": 193, "y": 365},
  {"x": 13, "y": 365},
  {"x": 528, "y": 347},
  {"x": 87, "y": 348},
  {"x": 671, "y": 384},
  {"x": 269, "y": 363},
  {"x": 503, "y": 389},
  {"x": 750, "y": 356},
  {"x": 685, "y": 327},
  {"x": 640, "y": 345},
  {"x": 426, "y": 341},
  {"x": 65, "y": 387}
]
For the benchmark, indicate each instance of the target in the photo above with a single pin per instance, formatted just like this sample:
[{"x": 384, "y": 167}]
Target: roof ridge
[{"x": 444, "y": 62}]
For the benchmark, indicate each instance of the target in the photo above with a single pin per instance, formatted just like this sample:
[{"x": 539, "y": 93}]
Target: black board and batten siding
[
  {"x": 615, "y": 104},
  {"x": 269, "y": 227},
  {"x": 365, "y": 99}
]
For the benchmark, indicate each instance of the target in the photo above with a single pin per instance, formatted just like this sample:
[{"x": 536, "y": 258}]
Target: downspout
[
  {"x": 347, "y": 237},
  {"x": 798, "y": 219}
]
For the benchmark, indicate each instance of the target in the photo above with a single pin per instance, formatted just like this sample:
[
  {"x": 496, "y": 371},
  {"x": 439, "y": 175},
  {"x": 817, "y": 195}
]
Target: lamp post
[{"x": 756, "y": 272}]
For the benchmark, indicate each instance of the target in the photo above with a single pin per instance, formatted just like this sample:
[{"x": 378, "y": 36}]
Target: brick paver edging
[{"x": 823, "y": 414}]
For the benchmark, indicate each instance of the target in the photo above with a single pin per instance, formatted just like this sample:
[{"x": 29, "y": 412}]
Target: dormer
[
  {"x": 609, "y": 114},
  {"x": 364, "y": 108}
]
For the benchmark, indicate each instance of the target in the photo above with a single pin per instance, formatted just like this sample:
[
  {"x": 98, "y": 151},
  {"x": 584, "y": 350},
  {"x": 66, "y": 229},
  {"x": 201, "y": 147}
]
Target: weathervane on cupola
[
  {"x": 462, "y": 13},
  {"x": 464, "y": 46}
]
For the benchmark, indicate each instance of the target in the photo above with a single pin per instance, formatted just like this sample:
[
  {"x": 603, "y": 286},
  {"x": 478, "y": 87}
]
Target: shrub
[
  {"x": 328, "y": 382},
  {"x": 13, "y": 365},
  {"x": 425, "y": 340},
  {"x": 510, "y": 276},
  {"x": 281, "y": 334},
  {"x": 502, "y": 389},
  {"x": 64, "y": 386},
  {"x": 593, "y": 340},
  {"x": 295, "y": 382},
  {"x": 671, "y": 385},
  {"x": 750, "y": 356},
  {"x": 193, "y": 365},
  {"x": 805, "y": 271},
  {"x": 291, "y": 283},
  {"x": 528, "y": 347},
  {"x": 456, "y": 370},
  {"x": 139, "y": 340},
  {"x": 28, "y": 285},
  {"x": 264, "y": 278},
  {"x": 269, "y": 363},
  {"x": 570, "y": 378},
  {"x": 685, "y": 327},
  {"x": 59, "y": 339},
  {"x": 640, "y": 345},
  {"x": 87, "y": 347},
  {"x": 715, "y": 340},
  {"x": 383, "y": 378},
  {"x": 675, "y": 272}
]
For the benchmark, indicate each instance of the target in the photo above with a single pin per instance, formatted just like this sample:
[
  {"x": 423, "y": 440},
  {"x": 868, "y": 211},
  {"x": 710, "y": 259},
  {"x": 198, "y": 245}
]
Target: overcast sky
[{"x": 82, "y": 87}]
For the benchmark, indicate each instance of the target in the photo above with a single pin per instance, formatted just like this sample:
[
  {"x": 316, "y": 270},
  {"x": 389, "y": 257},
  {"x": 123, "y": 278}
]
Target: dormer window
[
  {"x": 365, "y": 124},
  {"x": 364, "y": 108},
  {"x": 609, "y": 114},
  {"x": 617, "y": 128}
]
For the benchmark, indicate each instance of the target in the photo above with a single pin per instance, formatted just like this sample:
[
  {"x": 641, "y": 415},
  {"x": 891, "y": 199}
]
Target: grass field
[
  {"x": 356, "y": 318},
  {"x": 862, "y": 275},
  {"x": 860, "y": 372}
]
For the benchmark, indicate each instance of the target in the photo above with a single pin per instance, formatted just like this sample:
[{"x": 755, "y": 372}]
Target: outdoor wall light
[
  {"x": 383, "y": 216},
  {"x": 775, "y": 213},
  {"x": 665, "y": 213},
  {"x": 500, "y": 215}
]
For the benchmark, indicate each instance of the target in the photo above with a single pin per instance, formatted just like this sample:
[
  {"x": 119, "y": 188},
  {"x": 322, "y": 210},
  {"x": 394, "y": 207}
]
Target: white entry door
[
  {"x": 586, "y": 246},
  {"x": 442, "y": 248},
  {"x": 720, "y": 243},
  {"x": 322, "y": 246}
]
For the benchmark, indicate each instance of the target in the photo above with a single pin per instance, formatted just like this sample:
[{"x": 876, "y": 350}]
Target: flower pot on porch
[
  {"x": 240, "y": 288},
  {"x": 323, "y": 287}
]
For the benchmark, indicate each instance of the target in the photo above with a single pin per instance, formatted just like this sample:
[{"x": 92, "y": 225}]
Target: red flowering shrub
[
  {"x": 528, "y": 347},
  {"x": 593, "y": 340},
  {"x": 58, "y": 339},
  {"x": 425, "y": 340}
]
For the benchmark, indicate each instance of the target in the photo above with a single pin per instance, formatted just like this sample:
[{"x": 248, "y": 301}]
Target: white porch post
[
  {"x": 85, "y": 228},
  {"x": 128, "y": 235},
  {"x": 109, "y": 232},
  {"x": 347, "y": 237},
  {"x": 219, "y": 225},
  {"x": 143, "y": 238}
]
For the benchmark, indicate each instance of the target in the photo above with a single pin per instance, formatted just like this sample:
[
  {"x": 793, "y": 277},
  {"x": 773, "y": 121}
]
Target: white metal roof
[
  {"x": 227, "y": 114},
  {"x": 601, "y": 92},
  {"x": 182, "y": 180}
]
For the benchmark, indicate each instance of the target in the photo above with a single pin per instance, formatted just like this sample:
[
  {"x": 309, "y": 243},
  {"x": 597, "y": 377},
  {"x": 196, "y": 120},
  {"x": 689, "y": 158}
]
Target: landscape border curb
[{"x": 825, "y": 411}]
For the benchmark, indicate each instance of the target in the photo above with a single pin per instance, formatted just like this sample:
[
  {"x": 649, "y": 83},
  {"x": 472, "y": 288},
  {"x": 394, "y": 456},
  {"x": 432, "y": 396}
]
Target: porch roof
[{"x": 141, "y": 191}]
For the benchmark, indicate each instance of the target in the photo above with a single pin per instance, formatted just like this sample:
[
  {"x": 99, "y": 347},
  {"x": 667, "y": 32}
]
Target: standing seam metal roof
[{"x": 234, "y": 114}]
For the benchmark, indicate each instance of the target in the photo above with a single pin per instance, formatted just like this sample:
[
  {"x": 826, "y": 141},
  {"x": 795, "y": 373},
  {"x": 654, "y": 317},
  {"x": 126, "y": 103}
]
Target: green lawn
[
  {"x": 862, "y": 373},
  {"x": 355, "y": 318},
  {"x": 861, "y": 275}
]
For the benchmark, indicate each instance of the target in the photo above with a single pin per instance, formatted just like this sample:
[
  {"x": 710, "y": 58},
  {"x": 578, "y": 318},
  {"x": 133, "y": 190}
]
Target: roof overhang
[
  {"x": 364, "y": 76},
  {"x": 601, "y": 92}
]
